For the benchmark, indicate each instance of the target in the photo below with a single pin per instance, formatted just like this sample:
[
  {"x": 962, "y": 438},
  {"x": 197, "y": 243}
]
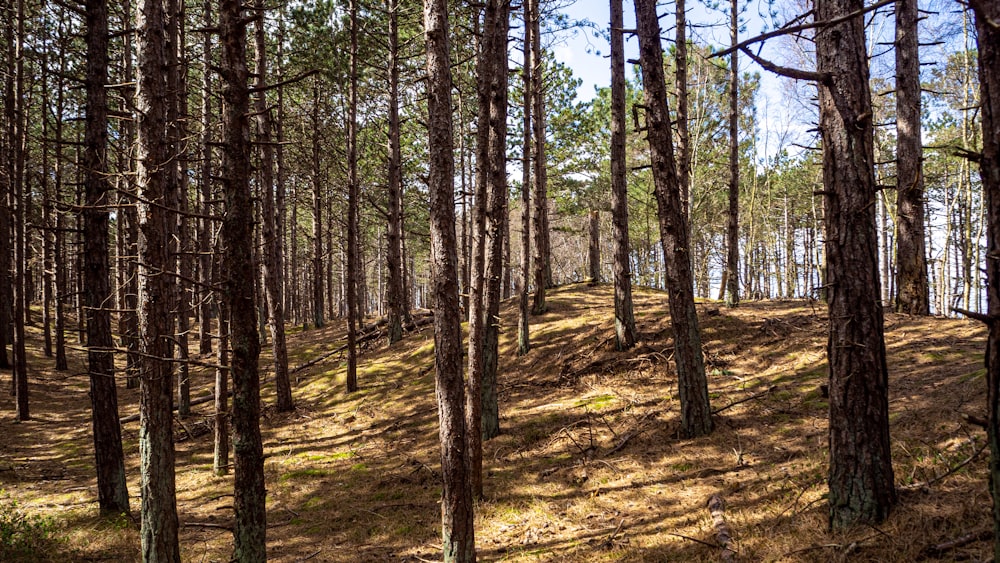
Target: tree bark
[
  {"x": 683, "y": 136},
  {"x": 594, "y": 246},
  {"x": 861, "y": 478},
  {"x": 394, "y": 262},
  {"x": 20, "y": 371},
  {"x": 249, "y": 530},
  {"x": 458, "y": 532},
  {"x": 911, "y": 255},
  {"x": 317, "y": 207},
  {"x": 269, "y": 226},
  {"x": 625, "y": 332},
  {"x": 496, "y": 215},
  {"x": 156, "y": 445},
  {"x": 353, "y": 193},
  {"x": 112, "y": 493},
  {"x": 696, "y": 413},
  {"x": 988, "y": 33},
  {"x": 543, "y": 264},
  {"x": 523, "y": 336},
  {"x": 220, "y": 457},
  {"x": 733, "y": 218}
]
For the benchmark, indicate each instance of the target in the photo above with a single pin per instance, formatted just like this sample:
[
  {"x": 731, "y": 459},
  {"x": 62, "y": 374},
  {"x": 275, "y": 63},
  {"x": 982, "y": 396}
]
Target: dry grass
[{"x": 589, "y": 466}]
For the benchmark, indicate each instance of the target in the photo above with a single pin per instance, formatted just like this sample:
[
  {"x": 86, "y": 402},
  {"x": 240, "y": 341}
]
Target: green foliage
[{"x": 24, "y": 537}]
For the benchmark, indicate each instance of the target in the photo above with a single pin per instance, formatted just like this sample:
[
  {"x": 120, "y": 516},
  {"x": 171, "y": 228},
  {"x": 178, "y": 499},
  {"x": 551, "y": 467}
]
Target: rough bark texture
[
  {"x": 353, "y": 193},
  {"x": 20, "y": 371},
  {"x": 112, "y": 493},
  {"x": 393, "y": 258},
  {"x": 861, "y": 478},
  {"x": 733, "y": 218},
  {"x": 205, "y": 306},
  {"x": 220, "y": 457},
  {"x": 540, "y": 190},
  {"x": 911, "y": 253},
  {"x": 988, "y": 31},
  {"x": 594, "y": 246},
  {"x": 523, "y": 335},
  {"x": 317, "y": 225},
  {"x": 625, "y": 333},
  {"x": 269, "y": 227},
  {"x": 458, "y": 532},
  {"x": 696, "y": 413},
  {"x": 156, "y": 439},
  {"x": 496, "y": 215},
  {"x": 238, "y": 289}
]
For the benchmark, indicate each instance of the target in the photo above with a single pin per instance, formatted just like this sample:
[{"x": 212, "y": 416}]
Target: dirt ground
[{"x": 589, "y": 466}]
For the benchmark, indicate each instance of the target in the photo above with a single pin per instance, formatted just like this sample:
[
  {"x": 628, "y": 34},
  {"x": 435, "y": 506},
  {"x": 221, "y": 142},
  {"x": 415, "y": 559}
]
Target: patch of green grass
[
  {"x": 300, "y": 473},
  {"x": 681, "y": 467},
  {"x": 597, "y": 403},
  {"x": 359, "y": 467},
  {"x": 23, "y": 536},
  {"x": 978, "y": 374}
]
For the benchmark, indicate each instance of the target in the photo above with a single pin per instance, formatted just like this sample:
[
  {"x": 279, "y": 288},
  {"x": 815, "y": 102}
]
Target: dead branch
[
  {"x": 942, "y": 548},
  {"x": 207, "y": 525},
  {"x": 750, "y": 398},
  {"x": 198, "y": 401},
  {"x": 919, "y": 486},
  {"x": 716, "y": 507}
]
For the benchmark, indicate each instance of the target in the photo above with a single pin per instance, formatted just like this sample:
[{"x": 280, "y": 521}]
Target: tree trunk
[
  {"x": 156, "y": 443},
  {"x": 496, "y": 215},
  {"x": 543, "y": 258},
  {"x": 911, "y": 255},
  {"x": 523, "y": 337},
  {"x": 20, "y": 371},
  {"x": 594, "y": 247},
  {"x": 696, "y": 413},
  {"x": 353, "y": 193},
  {"x": 112, "y": 493},
  {"x": 733, "y": 219},
  {"x": 394, "y": 262},
  {"x": 269, "y": 226},
  {"x": 317, "y": 207},
  {"x": 683, "y": 137},
  {"x": 988, "y": 32},
  {"x": 220, "y": 457},
  {"x": 625, "y": 332},
  {"x": 861, "y": 478},
  {"x": 238, "y": 288},
  {"x": 458, "y": 532},
  {"x": 205, "y": 306}
]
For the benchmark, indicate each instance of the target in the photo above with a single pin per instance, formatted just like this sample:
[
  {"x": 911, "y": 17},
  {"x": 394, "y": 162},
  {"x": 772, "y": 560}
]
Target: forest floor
[{"x": 589, "y": 466}]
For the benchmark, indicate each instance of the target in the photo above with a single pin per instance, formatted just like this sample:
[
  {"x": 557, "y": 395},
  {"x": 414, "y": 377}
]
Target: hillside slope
[{"x": 589, "y": 466}]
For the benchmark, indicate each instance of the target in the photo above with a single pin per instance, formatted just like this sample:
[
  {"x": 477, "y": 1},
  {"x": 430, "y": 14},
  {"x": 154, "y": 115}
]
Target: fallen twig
[
  {"x": 696, "y": 540},
  {"x": 918, "y": 486},
  {"x": 198, "y": 401},
  {"x": 744, "y": 400},
  {"x": 207, "y": 525},
  {"x": 940, "y": 549}
]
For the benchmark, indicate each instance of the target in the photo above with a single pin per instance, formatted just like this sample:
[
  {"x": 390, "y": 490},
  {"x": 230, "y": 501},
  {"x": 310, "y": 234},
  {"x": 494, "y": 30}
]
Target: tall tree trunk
[
  {"x": 683, "y": 136},
  {"x": 458, "y": 532},
  {"x": 861, "y": 478},
  {"x": 112, "y": 493},
  {"x": 20, "y": 372},
  {"x": 317, "y": 208},
  {"x": 594, "y": 246},
  {"x": 394, "y": 262},
  {"x": 7, "y": 195},
  {"x": 911, "y": 254},
  {"x": 181, "y": 236},
  {"x": 988, "y": 33},
  {"x": 523, "y": 337},
  {"x": 625, "y": 332},
  {"x": 733, "y": 218},
  {"x": 269, "y": 227},
  {"x": 205, "y": 306},
  {"x": 238, "y": 288},
  {"x": 496, "y": 215},
  {"x": 156, "y": 440},
  {"x": 353, "y": 193},
  {"x": 543, "y": 258},
  {"x": 696, "y": 413}
]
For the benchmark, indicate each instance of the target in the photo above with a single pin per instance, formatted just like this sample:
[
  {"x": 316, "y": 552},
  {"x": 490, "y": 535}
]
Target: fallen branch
[
  {"x": 942, "y": 548},
  {"x": 628, "y": 437},
  {"x": 366, "y": 337},
  {"x": 750, "y": 398},
  {"x": 207, "y": 525},
  {"x": 918, "y": 486},
  {"x": 716, "y": 507},
  {"x": 977, "y": 421},
  {"x": 198, "y": 401}
]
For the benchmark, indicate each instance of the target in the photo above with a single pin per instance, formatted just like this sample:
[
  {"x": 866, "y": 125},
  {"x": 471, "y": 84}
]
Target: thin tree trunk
[
  {"x": 220, "y": 457},
  {"x": 458, "y": 532},
  {"x": 594, "y": 246},
  {"x": 523, "y": 337},
  {"x": 317, "y": 208},
  {"x": 394, "y": 263},
  {"x": 860, "y": 478},
  {"x": 112, "y": 493},
  {"x": 205, "y": 183},
  {"x": 353, "y": 193},
  {"x": 238, "y": 288},
  {"x": 269, "y": 227},
  {"x": 733, "y": 218},
  {"x": 625, "y": 332},
  {"x": 696, "y": 414},
  {"x": 988, "y": 33},
  {"x": 683, "y": 136},
  {"x": 156, "y": 444},
  {"x": 20, "y": 372},
  {"x": 543, "y": 264}
]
